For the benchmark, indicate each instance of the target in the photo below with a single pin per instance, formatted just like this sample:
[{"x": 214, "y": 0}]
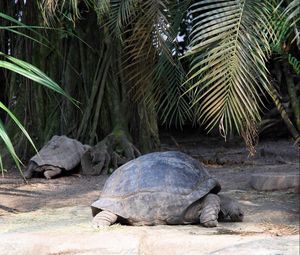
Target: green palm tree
[
  {"x": 230, "y": 45},
  {"x": 130, "y": 75}
]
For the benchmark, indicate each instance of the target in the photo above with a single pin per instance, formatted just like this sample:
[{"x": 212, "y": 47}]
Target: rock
[
  {"x": 274, "y": 181},
  {"x": 104, "y": 243},
  {"x": 145, "y": 241},
  {"x": 219, "y": 245}
]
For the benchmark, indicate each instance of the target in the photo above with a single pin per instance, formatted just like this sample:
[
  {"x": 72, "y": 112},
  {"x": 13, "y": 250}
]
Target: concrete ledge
[
  {"x": 145, "y": 243},
  {"x": 274, "y": 181}
]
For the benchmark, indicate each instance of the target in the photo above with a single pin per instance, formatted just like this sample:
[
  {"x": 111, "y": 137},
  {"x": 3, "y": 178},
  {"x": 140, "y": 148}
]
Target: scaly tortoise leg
[
  {"x": 104, "y": 219},
  {"x": 210, "y": 210},
  {"x": 51, "y": 171},
  {"x": 30, "y": 170}
]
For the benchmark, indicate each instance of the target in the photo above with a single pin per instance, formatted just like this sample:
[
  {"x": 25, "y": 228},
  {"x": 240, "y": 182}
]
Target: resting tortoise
[
  {"x": 59, "y": 154},
  {"x": 163, "y": 188}
]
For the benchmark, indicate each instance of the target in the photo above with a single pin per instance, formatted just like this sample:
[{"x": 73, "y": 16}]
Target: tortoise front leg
[
  {"x": 210, "y": 210},
  {"x": 30, "y": 170},
  {"x": 104, "y": 219}
]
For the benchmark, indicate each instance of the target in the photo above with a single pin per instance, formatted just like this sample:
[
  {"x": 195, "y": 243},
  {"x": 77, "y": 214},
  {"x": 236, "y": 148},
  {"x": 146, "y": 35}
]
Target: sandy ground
[{"x": 53, "y": 217}]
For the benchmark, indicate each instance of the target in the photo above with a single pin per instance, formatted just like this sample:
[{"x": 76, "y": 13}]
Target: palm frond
[
  {"x": 229, "y": 48},
  {"x": 145, "y": 39},
  {"x": 8, "y": 143},
  {"x": 18, "y": 123},
  {"x": 172, "y": 105},
  {"x": 292, "y": 12},
  {"x": 1, "y": 166},
  {"x": 295, "y": 63},
  {"x": 17, "y": 25},
  {"x": 54, "y": 10},
  {"x": 102, "y": 8},
  {"x": 291, "y": 15},
  {"x": 120, "y": 15},
  {"x": 33, "y": 73},
  {"x": 285, "y": 19}
]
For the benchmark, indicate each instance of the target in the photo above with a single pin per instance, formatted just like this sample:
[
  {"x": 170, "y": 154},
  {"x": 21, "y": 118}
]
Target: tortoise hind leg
[
  {"x": 51, "y": 171},
  {"x": 104, "y": 219},
  {"x": 210, "y": 210}
]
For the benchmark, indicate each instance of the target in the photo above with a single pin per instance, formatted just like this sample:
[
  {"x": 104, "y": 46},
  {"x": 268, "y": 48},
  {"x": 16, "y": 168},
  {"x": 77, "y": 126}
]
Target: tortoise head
[{"x": 230, "y": 209}]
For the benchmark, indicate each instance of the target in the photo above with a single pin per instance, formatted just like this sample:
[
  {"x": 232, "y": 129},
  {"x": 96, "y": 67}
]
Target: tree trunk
[
  {"x": 295, "y": 104},
  {"x": 289, "y": 124}
]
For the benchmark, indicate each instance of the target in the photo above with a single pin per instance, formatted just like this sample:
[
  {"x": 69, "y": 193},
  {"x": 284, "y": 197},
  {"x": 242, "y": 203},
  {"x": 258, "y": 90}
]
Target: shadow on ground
[{"x": 53, "y": 217}]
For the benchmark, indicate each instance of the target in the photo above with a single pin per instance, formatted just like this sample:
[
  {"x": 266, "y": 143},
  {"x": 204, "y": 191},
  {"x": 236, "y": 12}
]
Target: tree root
[{"x": 113, "y": 151}]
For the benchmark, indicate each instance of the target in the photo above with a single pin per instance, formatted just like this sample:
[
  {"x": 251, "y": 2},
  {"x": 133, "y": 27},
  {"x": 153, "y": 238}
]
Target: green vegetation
[
  {"x": 26, "y": 70},
  {"x": 117, "y": 59}
]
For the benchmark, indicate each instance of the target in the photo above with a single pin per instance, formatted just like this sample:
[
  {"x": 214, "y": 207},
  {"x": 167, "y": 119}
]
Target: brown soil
[{"x": 276, "y": 212}]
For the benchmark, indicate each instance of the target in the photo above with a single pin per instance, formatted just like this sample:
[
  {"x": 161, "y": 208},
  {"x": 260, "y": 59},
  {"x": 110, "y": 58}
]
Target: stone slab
[
  {"x": 150, "y": 242},
  {"x": 274, "y": 181},
  {"x": 84, "y": 244}
]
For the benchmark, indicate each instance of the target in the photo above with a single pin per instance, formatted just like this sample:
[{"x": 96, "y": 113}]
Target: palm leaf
[
  {"x": 56, "y": 10},
  {"x": 291, "y": 16},
  {"x": 285, "y": 19},
  {"x": 145, "y": 39},
  {"x": 33, "y": 73},
  {"x": 229, "y": 48},
  {"x": 17, "y": 25},
  {"x": 292, "y": 12},
  {"x": 102, "y": 8},
  {"x": 1, "y": 166},
  {"x": 20, "y": 126},
  {"x": 7, "y": 142},
  {"x": 5, "y": 138},
  {"x": 171, "y": 103},
  {"x": 119, "y": 13}
]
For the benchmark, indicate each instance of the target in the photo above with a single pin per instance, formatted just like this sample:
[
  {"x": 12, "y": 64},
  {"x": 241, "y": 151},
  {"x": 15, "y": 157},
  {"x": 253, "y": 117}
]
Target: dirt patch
[
  {"x": 61, "y": 205},
  {"x": 281, "y": 229},
  {"x": 17, "y": 197}
]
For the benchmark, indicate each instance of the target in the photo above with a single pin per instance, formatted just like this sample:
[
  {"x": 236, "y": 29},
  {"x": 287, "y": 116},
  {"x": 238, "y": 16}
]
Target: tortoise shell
[{"x": 60, "y": 151}]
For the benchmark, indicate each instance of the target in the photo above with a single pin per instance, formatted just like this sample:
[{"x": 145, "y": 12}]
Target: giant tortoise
[
  {"x": 61, "y": 153},
  {"x": 163, "y": 188}
]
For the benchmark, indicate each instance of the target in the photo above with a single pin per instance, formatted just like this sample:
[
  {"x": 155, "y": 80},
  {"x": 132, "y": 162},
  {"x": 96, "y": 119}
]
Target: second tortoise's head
[{"x": 230, "y": 210}]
